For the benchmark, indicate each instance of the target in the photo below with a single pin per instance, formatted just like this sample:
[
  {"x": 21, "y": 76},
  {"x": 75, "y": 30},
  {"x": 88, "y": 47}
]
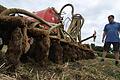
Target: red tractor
[{"x": 51, "y": 15}]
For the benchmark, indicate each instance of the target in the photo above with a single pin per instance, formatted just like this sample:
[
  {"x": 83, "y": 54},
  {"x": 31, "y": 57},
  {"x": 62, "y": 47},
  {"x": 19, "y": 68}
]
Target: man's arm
[
  {"x": 119, "y": 28},
  {"x": 104, "y": 34}
]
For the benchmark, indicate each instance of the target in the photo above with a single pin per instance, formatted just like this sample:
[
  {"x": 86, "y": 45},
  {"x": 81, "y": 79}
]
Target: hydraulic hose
[{"x": 72, "y": 12}]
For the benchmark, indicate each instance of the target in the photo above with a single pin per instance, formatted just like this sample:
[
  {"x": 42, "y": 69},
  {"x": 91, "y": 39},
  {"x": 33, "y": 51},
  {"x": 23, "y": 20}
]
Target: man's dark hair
[{"x": 111, "y": 16}]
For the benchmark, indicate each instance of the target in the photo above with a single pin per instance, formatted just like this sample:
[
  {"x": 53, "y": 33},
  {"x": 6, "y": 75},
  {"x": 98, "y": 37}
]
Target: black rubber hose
[{"x": 72, "y": 12}]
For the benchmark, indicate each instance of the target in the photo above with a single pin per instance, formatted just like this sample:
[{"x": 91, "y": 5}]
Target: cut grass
[{"x": 92, "y": 69}]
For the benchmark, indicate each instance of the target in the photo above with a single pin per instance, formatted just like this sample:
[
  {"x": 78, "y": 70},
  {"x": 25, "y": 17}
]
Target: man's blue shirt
[{"x": 111, "y": 30}]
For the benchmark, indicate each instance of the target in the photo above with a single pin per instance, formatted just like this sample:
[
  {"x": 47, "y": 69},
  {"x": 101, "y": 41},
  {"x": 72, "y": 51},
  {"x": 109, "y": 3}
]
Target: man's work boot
[
  {"x": 116, "y": 63},
  {"x": 102, "y": 60}
]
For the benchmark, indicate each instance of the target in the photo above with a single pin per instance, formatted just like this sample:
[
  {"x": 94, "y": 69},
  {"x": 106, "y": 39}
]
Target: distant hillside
[{"x": 2, "y": 8}]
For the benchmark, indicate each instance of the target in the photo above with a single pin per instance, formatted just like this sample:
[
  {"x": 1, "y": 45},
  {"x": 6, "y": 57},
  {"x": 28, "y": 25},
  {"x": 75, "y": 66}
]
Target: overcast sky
[{"x": 95, "y": 12}]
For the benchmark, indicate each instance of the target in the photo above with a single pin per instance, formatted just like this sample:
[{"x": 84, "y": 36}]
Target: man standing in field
[{"x": 111, "y": 36}]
